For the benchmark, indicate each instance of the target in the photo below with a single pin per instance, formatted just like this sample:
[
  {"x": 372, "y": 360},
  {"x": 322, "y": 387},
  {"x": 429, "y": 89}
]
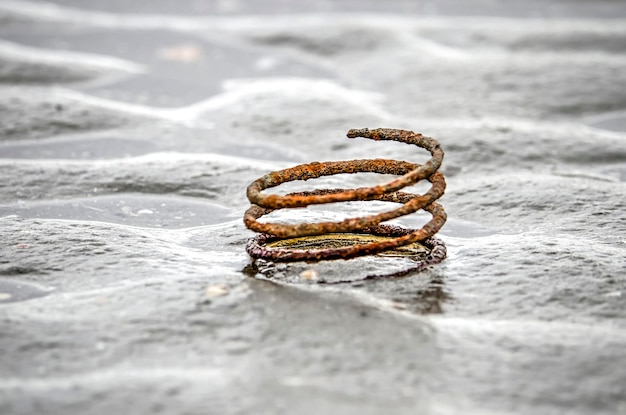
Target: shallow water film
[{"x": 130, "y": 130}]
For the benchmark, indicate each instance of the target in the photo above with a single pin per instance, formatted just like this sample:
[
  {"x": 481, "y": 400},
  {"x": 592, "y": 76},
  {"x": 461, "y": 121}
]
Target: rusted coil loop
[{"x": 409, "y": 173}]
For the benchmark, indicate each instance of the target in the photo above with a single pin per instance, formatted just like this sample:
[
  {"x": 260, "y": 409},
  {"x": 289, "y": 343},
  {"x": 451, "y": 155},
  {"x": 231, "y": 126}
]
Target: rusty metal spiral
[{"x": 393, "y": 236}]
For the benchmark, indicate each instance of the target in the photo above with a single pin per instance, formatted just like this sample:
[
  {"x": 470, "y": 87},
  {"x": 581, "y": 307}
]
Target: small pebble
[
  {"x": 181, "y": 53},
  {"x": 214, "y": 291},
  {"x": 309, "y": 274}
]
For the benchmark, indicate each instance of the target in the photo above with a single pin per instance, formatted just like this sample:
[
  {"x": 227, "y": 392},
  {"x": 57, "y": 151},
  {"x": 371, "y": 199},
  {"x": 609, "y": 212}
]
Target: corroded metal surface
[{"x": 264, "y": 245}]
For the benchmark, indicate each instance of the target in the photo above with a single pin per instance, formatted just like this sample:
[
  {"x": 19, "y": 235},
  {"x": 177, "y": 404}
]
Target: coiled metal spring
[{"x": 392, "y": 236}]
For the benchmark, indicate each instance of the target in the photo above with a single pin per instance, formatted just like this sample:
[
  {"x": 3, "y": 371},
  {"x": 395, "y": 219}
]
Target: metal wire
[{"x": 410, "y": 174}]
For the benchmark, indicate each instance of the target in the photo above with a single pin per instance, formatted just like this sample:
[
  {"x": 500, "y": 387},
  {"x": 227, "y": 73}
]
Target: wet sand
[{"x": 128, "y": 133}]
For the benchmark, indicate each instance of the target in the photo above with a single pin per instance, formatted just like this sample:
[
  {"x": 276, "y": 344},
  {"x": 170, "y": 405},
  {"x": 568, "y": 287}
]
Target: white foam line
[
  {"x": 189, "y": 201},
  {"x": 313, "y": 88},
  {"x": 235, "y": 93},
  {"x": 423, "y": 45},
  {"x": 174, "y": 115},
  {"x": 285, "y": 87},
  {"x": 56, "y": 13},
  {"x": 61, "y": 57},
  {"x": 292, "y": 87},
  {"x": 59, "y": 14},
  {"x": 174, "y": 157},
  {"x": 542, "y": 328},
  {"x": 548, "y": 57},
  {"x": 215, "y": 377},
  {"x": 168, "y": 157}
]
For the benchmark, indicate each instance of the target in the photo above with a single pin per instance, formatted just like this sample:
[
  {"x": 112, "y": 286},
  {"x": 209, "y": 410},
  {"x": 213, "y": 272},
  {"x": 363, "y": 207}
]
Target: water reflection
[{"x": 395, "y": 282}]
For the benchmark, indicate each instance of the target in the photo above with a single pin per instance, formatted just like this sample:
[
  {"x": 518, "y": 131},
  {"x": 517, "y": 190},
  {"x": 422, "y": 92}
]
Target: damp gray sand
[{"x": 130, "y": 130}]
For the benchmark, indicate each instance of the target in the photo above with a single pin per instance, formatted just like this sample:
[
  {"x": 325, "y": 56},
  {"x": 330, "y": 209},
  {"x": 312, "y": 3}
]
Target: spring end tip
[{"x": 358, "y": 132}]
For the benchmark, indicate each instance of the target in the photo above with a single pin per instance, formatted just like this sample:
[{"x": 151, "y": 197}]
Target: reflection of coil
[{"x": 259, "y": 247}]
